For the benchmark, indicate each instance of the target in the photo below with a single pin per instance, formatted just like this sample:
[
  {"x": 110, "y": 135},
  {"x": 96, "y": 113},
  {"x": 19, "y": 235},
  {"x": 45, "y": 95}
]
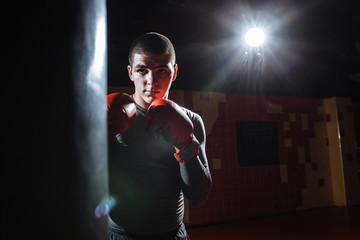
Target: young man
[{"x": 159, "y": 156}]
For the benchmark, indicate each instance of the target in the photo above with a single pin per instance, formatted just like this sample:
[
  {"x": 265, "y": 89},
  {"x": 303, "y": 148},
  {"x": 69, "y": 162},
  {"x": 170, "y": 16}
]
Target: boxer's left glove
[
  {"x": 165, "y": 119},
  {"x": 121, "y": 110}
]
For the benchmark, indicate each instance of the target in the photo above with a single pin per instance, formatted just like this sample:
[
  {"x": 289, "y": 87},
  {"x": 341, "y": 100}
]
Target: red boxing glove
[
  {"x": 166, "y": 119},
  {"x": 121, "y": 111}
]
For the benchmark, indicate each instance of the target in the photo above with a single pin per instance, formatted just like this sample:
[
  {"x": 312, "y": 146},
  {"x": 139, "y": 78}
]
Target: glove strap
[{"x": 187, "y": 152}]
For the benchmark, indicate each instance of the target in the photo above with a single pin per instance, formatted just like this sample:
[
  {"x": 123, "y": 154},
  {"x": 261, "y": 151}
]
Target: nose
[{"x": 151, "y": 79}]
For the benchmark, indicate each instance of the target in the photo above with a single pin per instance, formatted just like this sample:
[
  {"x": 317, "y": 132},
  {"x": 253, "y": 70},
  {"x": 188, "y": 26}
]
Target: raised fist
[
  {"x": 121, "y": 111},
  {"x": 165, "y": 119}
]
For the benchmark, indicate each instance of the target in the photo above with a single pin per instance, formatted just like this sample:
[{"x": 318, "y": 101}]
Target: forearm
[{"x": 196, "y": 179}]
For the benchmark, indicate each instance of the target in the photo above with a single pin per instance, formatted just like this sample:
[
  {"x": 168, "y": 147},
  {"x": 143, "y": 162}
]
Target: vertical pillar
[
  {"x": 348, "y": 150},
  {"x": 335, "y": 158},
  {"x": 342, "y": 153},
  {"x": 57, "y": 172}
]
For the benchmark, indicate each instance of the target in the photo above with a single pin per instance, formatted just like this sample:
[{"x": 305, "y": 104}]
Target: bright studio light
[{"x": 255, "y": 37}]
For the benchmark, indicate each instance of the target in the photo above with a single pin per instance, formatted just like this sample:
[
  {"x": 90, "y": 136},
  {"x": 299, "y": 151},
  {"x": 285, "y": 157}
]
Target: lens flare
[{"x": 104, "y": 207}]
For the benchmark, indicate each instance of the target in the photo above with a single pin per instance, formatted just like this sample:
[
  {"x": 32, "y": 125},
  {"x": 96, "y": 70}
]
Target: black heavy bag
[{"x": 56, "y": 169}]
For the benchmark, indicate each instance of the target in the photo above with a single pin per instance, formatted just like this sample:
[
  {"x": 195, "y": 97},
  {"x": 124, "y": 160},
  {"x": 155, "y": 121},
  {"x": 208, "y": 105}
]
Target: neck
[{"x": 139, "y": 101}]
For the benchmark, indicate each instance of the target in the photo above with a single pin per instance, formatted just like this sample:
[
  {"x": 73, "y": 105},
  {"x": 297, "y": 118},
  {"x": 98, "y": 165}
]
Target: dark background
[{"x": 312, "y": 47}]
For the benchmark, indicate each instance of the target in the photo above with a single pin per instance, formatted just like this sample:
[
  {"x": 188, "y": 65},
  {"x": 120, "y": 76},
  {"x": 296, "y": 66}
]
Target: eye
[
  {"x": 141, "y": 71},
  {"x": 163, "y": 70}
]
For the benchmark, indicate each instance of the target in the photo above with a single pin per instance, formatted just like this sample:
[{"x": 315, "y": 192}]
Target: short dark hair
[{"x": 152, "y": 43}]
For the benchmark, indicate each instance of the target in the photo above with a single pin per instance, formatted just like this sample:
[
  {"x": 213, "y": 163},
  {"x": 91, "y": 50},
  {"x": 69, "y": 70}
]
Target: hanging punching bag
[{"x": 56, "y": 175}]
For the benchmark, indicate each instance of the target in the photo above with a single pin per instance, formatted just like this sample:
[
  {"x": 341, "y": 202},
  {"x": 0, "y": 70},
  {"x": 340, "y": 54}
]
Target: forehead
[{"x": 151, "y": 60}]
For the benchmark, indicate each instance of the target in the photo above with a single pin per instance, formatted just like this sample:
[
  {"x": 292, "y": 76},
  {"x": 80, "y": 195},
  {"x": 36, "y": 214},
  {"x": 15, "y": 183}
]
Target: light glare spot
[{"x": 255, "y": 37}]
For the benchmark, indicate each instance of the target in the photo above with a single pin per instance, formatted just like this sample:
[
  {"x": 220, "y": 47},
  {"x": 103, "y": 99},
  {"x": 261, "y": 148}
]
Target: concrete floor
[{"x": 325, "y": 223}]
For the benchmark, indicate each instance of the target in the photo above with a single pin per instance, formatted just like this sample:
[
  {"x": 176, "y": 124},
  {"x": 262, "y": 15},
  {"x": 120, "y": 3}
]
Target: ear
[
  {"x": 175, "y": 72},
  {"x": 130, "y": 72}
]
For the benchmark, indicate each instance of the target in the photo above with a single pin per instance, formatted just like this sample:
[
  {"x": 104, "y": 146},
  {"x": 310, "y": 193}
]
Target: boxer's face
[{"x": 152, "y": 76}]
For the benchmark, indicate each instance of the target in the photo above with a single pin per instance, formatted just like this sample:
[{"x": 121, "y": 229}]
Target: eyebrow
[
  {"x": 140, "y": 66},
  {"x": 144, "y": 66},
  {"x": 163, "y": 66}
]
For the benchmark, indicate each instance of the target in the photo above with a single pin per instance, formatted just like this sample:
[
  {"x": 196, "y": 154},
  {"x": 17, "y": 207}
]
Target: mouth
[{"x": 151, "y": 91}]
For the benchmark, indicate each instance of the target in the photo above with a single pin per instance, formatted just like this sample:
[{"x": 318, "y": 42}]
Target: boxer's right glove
[
  {"x": 121, "y": 111},
  {"x": 167, "y": 120}
]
